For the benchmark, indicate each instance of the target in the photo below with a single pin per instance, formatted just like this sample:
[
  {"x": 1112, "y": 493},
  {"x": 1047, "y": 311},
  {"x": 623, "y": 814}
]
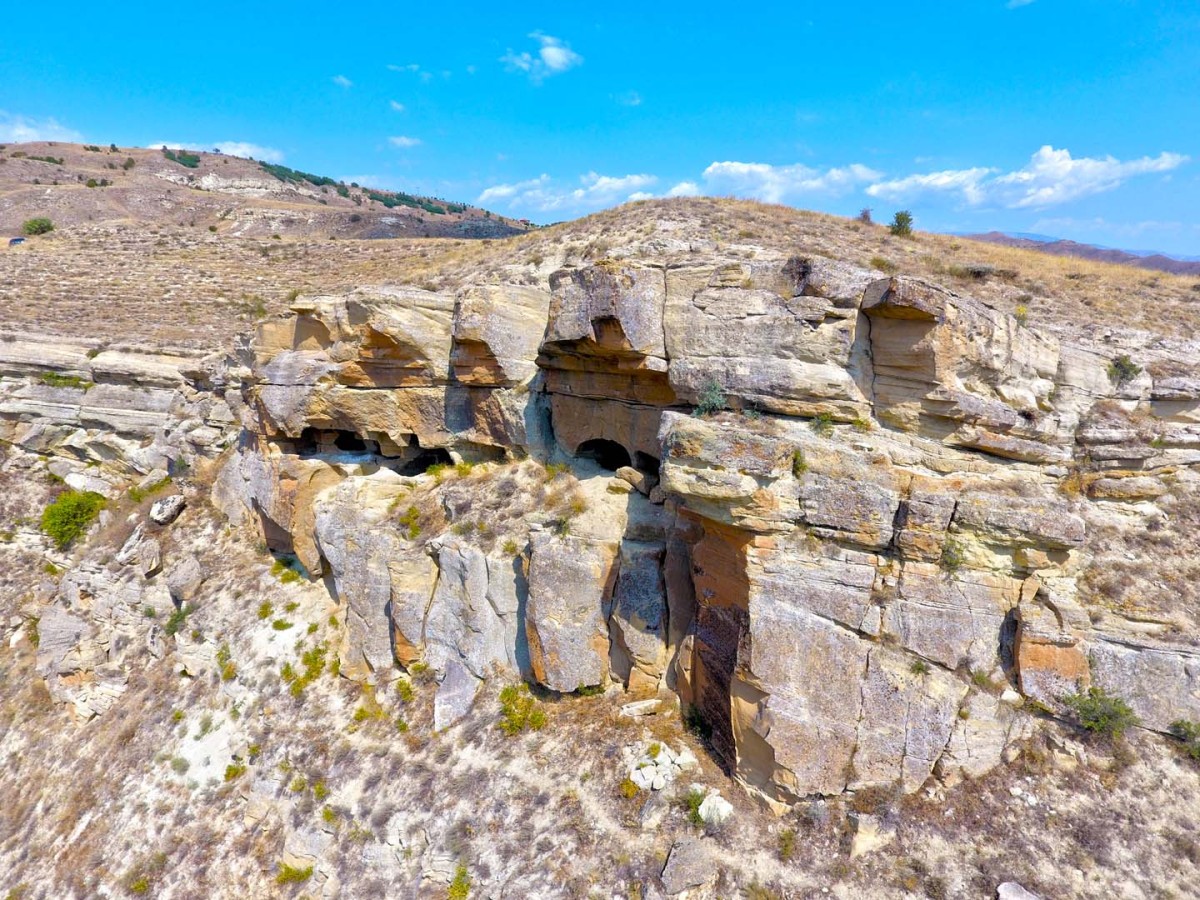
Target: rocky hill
[
  {"x": 1157, "y": 262},
  {"x": 698, "y": 549},
  {"x": 85, "y": 184}
]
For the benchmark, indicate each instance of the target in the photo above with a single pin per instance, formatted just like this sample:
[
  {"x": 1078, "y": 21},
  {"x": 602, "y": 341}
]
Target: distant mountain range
[{"x": 1148, "y": 259}]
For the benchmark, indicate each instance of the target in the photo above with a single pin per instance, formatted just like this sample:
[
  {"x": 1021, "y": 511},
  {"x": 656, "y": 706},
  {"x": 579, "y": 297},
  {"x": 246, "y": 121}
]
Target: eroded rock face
[{"x": 857, "y": 573}]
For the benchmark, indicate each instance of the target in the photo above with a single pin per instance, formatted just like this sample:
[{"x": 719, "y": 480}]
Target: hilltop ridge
[{"x": 87, "y": 184}]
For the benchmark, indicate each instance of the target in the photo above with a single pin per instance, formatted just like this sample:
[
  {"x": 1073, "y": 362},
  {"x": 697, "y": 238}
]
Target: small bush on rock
[
  {"x": 293, "y": 874},
  {"x": 1123, "y": 370},
  {"x": 1189, "y": 733},
  {"x": 519, "y": 710},
  {"x": 1101, "y": 713},
  {"x": 70, "y": 515},
  {"x": 460, "y": 887},
  {"x": 712, "y": 399}
]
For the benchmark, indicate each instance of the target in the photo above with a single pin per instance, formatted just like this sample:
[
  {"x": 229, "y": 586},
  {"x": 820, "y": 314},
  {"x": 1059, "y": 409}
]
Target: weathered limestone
[
  {"x": 570, "y": 586},
  {"x": 856, "y": 574}
]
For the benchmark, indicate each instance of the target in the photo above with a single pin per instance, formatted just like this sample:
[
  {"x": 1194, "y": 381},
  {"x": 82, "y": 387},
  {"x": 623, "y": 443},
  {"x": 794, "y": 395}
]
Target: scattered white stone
[
  {"x": 640, "y": 708},
  {"x": 1010, "y": 890},
  {"x": 166, "y": 510},
  {"x": 686, "y": 760},
  {"x": 715, "y": 810}
]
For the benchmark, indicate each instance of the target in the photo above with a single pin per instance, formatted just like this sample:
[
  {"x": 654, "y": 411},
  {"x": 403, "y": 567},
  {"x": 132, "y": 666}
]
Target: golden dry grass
[{"x": 184, "y": 286}]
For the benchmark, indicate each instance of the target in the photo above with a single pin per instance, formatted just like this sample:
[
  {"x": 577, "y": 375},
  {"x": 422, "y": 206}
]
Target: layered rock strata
[{"x": 879, "y": 546}]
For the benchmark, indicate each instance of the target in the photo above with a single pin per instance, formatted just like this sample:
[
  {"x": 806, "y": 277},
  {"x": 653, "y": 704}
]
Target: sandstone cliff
[{"x": 867, "y": 530}]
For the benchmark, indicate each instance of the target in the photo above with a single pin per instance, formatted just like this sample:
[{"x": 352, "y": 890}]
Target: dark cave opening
[{"x": 609, "y": 454}]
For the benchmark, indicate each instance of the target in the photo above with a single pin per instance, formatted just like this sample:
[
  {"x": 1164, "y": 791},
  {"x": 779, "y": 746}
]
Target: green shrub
[
  {"x": 953, "y": 555},
  {"x": 57, "y": 379},
  {"x": 282, "y": 625},
  {"x": 822, "y": 424},
  {"x": 292, "y": 874},
  {"x": 283, "y": 173},
  {"x": 225, "y": 664},
  {"x": 178, "y": 618},
  {"x": 405, "y": 689},
  {"x": 37, "y": 226},
  {"x": 691, "y": 803},
  {"x": 460, "y": 887},
  {"x": 799, "y": 464},
  {"x": 137, "y": 494},
  {"x": 410, "y": 520},
  {"x": 265, "y": 609},
  {"x": 519, "y": 710},
  {"x": 70, "y": 515},
  {"x": 919, "y": 667},
  {"x": 1189, "y": 733},
  {"x": 886, "y": 266},
  {"x": 313, "y": 661},
  {"x": 234, "y": 771},
  {"x": 1101, "y": 712},
  {"x": 1123, "y": 370},
  {"x": 902, "y": 223},
  {"x": 129, "y": 163},
  {"x": 787, "y": 844},
  {"x": 627, "y": 788},
  {"x": 711, "y": 400},
  {"x": 185, "y": 159}
]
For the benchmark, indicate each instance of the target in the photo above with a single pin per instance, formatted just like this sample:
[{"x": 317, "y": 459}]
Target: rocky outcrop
[{"x": 890, "y": 529}]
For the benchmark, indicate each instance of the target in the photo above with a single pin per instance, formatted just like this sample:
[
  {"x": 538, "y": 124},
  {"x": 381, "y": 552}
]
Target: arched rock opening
[
  {"x": 425, "y": 459},
  {"x": 609, "y": 454}
]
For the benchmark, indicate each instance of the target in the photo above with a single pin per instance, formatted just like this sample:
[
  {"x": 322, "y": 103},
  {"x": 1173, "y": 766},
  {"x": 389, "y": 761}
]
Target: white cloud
[
  {"x": 404, "y": 141},
  {"x": 409, "y": 67},
  {"x": 396, "y": 106},
  {"x": 1051, "y": 177},
  {"x": 244, "y": 149},
  {"x": 16, "y": 128},
  {"x": 595, "y": 191},
  {"x": 506, "y": 191},
  {"x": 252, "y": 151},
  {"x": 965, "y": 180},
  {"x": 776, "y": 184},
  {"x": 342, "y": 81},
  {"x": 552, "y": 58},
  {"x": 685, "y": 189},
  {"x": 1017, "y": 4}
]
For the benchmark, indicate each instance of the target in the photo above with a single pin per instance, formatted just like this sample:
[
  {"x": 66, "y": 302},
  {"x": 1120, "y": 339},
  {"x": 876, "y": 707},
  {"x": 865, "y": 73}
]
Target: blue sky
[{"x": 1077, "y": 118}]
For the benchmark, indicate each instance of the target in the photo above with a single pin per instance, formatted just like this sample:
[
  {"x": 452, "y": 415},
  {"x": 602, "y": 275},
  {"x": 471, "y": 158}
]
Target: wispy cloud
[
  {"x": 629, "y": 98},
  {"x": 1017, "y": 4},
  {"x": 594, "y": 192},
  {"x": 966, "y": 181},
  {"x": 17, "y": 128},
  {"x": 552, "y": 57},
  {"x": 414, "y": 68},
  {"x": 777, "y": 184},
  {"x": 244, "y": 149},
  {"x": 404, "y": 141},
  {"x": 342, "y": 81},
  {"x": 396, "y": 106},
  {"x": 1052, "y": 177}
]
